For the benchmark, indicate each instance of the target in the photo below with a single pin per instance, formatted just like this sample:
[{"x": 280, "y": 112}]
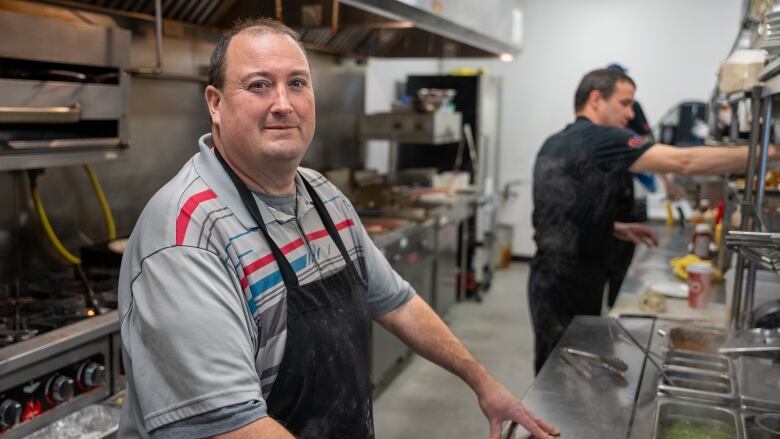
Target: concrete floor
[{"x": 425, "y": 401}]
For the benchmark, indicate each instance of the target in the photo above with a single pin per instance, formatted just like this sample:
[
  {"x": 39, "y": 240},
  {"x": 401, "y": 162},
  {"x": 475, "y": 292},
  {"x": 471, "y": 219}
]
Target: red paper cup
[{"x": 699, "y": 285}]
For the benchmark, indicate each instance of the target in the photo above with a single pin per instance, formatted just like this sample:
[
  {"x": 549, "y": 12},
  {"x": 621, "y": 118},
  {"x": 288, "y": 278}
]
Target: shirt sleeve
[
  {"x": 212, "y": 423},
  {"x": 189, "y": 337},
  {"x": 616, "y": 149},
  {"x": 386, "y": 290}
]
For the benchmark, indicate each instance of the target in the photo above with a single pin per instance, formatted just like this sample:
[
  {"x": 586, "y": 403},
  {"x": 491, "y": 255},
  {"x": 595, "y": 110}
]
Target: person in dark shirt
[
  {"x": 622, "y": 252},
  {"x": 575, "y": 184},
  {"x": 627, "y": 209}
]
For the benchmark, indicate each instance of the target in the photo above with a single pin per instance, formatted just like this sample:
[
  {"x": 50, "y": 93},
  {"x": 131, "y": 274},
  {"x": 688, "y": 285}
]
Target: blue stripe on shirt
[
  {"x": 232, "y": 238},
  {"x": 262, "y": 285}
]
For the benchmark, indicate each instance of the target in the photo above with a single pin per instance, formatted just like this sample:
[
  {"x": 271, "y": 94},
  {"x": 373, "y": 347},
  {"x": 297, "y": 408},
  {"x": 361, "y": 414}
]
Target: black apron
[{"x": 322, "y": 389}]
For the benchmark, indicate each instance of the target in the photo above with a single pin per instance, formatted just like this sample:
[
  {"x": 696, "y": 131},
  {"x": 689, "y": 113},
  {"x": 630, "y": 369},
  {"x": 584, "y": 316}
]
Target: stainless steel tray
[
  {"x": 695, "y": 339},
  {"x": 696, "y": 361},
  {"x": 705, "y": 386},
  {"x": 670, "y": 411}
]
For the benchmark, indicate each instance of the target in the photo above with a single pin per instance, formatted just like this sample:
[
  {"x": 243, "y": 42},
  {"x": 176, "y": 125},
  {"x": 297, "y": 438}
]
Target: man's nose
[
  {"x": 630, "y": 114},
  {"x": 281, "y": 103}
]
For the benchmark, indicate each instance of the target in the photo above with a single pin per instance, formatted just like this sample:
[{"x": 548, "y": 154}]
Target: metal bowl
[
  {"x": 767, "y": 315},
  {"x": 769, "y": 422}
]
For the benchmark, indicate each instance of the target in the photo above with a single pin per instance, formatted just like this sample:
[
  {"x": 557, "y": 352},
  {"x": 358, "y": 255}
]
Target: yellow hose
[
  {"x": 70, "y": 257},
  {"x": 110, "y": 226}
]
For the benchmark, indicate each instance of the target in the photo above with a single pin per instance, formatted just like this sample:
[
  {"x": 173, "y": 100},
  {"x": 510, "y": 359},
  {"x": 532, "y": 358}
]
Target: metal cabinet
[
  {"x": 412, "y": 256},
  {"x": 445, "y": 287}
]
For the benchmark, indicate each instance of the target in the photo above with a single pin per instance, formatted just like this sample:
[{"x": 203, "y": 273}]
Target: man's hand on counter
[
  {"x": 636, "y": 233},
  {"x": 499, "y": 405}
]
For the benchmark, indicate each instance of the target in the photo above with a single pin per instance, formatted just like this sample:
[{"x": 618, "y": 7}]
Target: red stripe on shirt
[
  {"x": 185, "y": 214},
  {"x": 287, "y": 248}
]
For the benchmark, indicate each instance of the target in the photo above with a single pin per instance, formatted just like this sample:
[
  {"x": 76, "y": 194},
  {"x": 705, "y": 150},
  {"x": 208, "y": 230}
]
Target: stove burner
[
  {"x": 46, "y": 301},
  {"x": 8, "y": 336}
]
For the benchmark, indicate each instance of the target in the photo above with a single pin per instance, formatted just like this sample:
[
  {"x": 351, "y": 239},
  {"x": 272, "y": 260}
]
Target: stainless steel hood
[{"x": 362, "y": 28}]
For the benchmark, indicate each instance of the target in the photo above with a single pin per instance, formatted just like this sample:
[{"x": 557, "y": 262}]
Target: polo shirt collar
[{"x": 213, "y": 174}]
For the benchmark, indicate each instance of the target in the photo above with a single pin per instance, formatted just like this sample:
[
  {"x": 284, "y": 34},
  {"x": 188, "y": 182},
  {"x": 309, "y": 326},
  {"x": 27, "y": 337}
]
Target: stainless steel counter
[
  {"x": 601, "y": 407},
  {"x": 651, "y": 265}
]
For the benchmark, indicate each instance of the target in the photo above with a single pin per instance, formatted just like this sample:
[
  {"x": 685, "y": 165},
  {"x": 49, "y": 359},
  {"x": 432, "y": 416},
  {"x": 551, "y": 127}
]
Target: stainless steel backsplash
[{"x": 166, "y": 117}]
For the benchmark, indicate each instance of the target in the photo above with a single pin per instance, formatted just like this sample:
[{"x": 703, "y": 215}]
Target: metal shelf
[
  {"x": 771, "y": 86},
  {"x": 761, "y": 248},
  {"x": 47, "y": 159}
]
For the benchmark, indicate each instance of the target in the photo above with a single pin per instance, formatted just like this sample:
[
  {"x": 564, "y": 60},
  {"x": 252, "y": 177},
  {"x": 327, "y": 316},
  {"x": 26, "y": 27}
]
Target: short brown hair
[
  {"x": 260, "y": 25},
  {"x": 603, "y": 80}
]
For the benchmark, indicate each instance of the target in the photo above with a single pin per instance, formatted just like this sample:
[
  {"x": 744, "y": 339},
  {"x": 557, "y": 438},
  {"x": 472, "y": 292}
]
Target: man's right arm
[
  {"x": 265, "y": 428},
  {"x": 696, "y": 160}
]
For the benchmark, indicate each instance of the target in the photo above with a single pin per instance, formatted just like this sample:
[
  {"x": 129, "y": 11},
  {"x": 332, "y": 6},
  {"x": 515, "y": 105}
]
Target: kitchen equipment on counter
[
  {"x": 683, "y": 419},
  {"x": 431, "y": 99},
  {"x": 610, "y": 363},
  {"x": 767, "y": 315},
  {"x": 639, "y": 346},
  {"x": 57, "y": 354},
  {"x": 431, "y": 128},
  {"x": 63, "y": 92}
]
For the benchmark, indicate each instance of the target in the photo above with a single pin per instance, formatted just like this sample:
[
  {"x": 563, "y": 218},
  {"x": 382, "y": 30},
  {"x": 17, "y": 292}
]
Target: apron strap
[
  {"x": 288, "y": 274},
  {"x": 327, "y": 221}
]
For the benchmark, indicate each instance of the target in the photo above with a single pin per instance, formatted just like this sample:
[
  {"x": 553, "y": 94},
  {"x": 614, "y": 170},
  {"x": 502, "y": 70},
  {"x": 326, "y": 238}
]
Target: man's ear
[
  {"x": 595, "y": 97},
  {"x": 213, "y": 100}
]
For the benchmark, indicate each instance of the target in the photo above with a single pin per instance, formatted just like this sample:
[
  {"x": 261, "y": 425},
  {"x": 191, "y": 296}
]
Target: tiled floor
[{"x": 424, "y": 401}]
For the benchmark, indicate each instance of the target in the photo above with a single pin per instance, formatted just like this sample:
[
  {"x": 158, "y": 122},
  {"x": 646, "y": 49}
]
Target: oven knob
[
  {"x": 10, "y": 412},
  {"x": 60, "y": 389},
  {"x": 94, "y": 374}
]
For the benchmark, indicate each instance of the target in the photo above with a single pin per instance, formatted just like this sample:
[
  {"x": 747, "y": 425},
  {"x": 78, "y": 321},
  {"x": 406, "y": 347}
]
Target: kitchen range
[{"x": 57, "y": 354}]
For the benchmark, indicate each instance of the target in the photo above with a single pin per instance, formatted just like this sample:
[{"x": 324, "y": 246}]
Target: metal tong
[
  {"x": 647, "y": 352},
  {"x": 612, "y": 364}
]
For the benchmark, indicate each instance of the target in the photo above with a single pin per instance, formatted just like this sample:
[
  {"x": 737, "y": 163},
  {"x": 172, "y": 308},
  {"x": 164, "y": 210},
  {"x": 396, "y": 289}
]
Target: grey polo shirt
[{"x": 201, "y": 302}]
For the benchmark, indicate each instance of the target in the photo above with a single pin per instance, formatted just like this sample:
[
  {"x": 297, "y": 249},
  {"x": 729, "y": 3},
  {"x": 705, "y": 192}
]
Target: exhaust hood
[{"x": 361, "y": 28}]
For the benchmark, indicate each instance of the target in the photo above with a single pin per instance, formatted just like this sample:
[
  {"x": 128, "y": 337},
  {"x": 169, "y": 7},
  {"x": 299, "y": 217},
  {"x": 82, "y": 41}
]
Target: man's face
[
  {"x": 265, "y": 110},
  {"x": 617, "y": 111}
]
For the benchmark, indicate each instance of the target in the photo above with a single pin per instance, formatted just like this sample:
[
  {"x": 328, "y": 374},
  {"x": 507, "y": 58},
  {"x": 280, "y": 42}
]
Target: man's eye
[
  {"x": 298, "y": 83},
  {"x": 258, "y": 85}
]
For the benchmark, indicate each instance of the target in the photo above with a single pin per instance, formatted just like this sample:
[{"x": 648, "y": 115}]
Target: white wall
[{"x": 671, "y": 47}]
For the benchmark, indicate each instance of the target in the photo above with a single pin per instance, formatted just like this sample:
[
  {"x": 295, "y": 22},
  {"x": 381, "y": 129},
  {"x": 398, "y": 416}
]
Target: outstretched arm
[
  {"x": 696, "y": 160},
  {"x": 417, "y": 325}
]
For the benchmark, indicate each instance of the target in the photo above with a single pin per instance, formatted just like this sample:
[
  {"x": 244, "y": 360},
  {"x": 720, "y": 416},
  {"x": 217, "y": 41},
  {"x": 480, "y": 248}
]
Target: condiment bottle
[{"x": 700, "y": 243}]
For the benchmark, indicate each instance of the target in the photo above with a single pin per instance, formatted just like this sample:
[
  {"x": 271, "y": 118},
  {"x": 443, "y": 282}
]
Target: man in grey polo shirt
[{"x": 248, "y": 284}]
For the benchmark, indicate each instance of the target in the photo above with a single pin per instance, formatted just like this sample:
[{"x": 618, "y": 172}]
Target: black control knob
[
  {"x": 93, "y": 374},
  {"x": 10, "y": 412},
  {"x": 59, "y": 389}
]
